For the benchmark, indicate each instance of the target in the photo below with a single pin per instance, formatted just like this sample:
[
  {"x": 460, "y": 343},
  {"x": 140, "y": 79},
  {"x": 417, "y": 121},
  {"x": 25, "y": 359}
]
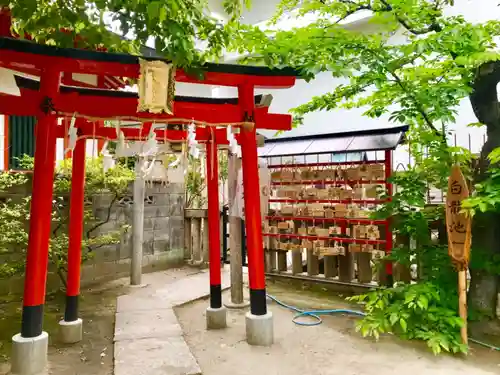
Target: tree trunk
[{"x": 483, "y": 290}]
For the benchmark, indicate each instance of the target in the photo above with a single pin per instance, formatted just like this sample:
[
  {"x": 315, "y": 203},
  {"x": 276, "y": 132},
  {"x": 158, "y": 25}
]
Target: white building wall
[
  {"x": 348, "y": 120},
  {"x": 302, "y": 92},
  {"x": 59, "y": 149}
]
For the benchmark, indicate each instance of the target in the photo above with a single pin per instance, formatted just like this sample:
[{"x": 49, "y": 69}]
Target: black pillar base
[
  {"x": 215, "y": 296},
  {"x": 71, "y": 311},
  {"x": 258, "y": 303},
  {"x": 390, "y": 281},
  {"x": 32, "y": 321}
]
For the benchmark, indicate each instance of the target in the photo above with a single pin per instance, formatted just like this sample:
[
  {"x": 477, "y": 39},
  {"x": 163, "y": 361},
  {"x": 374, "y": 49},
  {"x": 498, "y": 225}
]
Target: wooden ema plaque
[{"x": 458, "y": 225}]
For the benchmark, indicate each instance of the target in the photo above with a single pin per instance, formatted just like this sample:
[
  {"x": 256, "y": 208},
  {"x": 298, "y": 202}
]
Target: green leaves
[
  {"x": 486, "y": 195},
  {"x": 412, "y": 312},
  {"x": 195, "y": 180},
  {"x": 419, "y": 82},
  {"x": 403, "y": 324},
  {"x": 180, "y": 22},
  {"x": 153, "y": 10},
  {"x": 494, "y": 156},
  {"x": 15, "y": 213}
]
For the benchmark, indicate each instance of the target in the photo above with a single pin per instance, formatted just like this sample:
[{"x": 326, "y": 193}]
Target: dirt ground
[
  {"x": 94, "y": 355},
  {"x": 331, "y": 348}
]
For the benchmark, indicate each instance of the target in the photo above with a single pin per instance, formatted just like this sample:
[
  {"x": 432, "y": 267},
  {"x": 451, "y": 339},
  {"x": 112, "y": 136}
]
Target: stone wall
[
  {"x": 163, "y": 244},
  {"x": 163, "y": 235}
]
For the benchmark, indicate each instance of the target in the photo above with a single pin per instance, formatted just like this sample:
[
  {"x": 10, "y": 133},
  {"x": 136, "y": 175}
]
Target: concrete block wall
[{"x": 163, "y": 245}]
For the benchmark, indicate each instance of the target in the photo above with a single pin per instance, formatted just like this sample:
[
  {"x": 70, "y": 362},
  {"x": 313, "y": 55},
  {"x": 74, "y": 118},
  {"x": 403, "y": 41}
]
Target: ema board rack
[{"x": 328, "y": 208}]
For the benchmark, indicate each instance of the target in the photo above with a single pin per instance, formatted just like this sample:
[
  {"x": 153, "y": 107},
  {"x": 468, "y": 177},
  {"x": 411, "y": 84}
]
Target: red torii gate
[{"x": 52, "y": 100}]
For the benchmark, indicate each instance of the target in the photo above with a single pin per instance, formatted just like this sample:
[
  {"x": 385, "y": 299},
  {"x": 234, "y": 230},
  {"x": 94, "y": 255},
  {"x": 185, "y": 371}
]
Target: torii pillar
[
  {"x": 216, "y": 313},
  {"x": 29, "y": 348},
  {"x": 71, "y": 327},
  {"x": 259, "y": 321}
]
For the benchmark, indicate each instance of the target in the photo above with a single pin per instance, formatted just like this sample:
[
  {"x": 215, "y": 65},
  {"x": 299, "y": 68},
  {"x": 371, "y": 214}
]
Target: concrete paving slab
[
  {"x": 190, "y": 288},
  {"x": 148, "y": 337},
  {"x": 155, "y": 356},
  {"x": 135, "y": 325},
  {"x": 128, "y": 303}
]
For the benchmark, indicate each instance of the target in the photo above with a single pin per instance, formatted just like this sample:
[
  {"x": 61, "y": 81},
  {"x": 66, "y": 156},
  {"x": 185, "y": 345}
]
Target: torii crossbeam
[{"x": 48, "y": 100}]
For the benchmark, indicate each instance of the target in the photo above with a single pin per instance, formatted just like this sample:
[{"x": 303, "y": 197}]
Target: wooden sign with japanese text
[{"x": 458, "y": 224}]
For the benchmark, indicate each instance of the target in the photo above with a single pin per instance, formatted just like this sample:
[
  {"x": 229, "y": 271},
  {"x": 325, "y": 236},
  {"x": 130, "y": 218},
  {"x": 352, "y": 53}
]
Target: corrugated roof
[{"x": 365, "y": 140}]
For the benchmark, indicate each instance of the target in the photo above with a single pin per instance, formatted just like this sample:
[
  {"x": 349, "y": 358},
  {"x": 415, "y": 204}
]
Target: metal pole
[{"x": 138, "y": 223}]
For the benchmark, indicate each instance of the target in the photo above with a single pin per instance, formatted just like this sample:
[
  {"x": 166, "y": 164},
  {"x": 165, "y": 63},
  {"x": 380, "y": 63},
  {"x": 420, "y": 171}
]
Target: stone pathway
[{"x": 148, "y": 337}]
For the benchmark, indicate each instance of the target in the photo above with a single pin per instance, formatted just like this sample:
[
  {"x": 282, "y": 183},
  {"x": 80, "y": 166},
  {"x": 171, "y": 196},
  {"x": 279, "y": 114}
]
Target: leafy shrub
[
  {"x": 15, "y": 214},
  {"x": 412, "y": 312},
  {"x": 486, "y": 195}
]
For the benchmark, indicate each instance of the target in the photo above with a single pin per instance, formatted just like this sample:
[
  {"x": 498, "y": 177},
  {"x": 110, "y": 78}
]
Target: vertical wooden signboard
[{"x": 458, "y": 226}]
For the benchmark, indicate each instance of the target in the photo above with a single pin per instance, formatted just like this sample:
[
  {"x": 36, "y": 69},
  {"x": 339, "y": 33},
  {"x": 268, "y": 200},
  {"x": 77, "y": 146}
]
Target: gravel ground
[{"x": 331, "y": 348}]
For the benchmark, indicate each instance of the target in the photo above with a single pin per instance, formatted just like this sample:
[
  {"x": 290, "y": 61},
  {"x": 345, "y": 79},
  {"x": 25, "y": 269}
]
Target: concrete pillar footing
[
  {"x": 29, "y": 355},
  {"x": 216, "y": 318},
  {"x": 71, "y": 332},
  {"x": 236, "y": 306},
  {"x": 259, "y": 328}
]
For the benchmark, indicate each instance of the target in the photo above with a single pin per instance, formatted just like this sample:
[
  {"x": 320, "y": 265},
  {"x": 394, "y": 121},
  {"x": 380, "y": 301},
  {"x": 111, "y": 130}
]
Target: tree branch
[
  {"x": 400, "y": 83},
  {"x": 415, "y": 101},
  {"x": 62, "y": 277},
  {"x": 108, "y": 216},
  {"x": 484, "y": 97},
  {"x": 434, "y": 26},
  {"x": 60, "y": 224},
  {"x": 194, "y": 195}
]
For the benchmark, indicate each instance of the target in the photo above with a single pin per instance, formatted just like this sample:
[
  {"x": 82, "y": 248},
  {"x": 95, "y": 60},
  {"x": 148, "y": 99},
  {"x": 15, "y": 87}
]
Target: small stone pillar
[
  {"x": 188, "y": 244},
  {"x": 195, "y": 216}
]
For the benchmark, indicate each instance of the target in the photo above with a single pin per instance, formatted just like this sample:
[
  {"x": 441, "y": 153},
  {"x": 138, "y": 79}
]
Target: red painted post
[
  {"x": 6, "y": 165},
  {"x": 388, "y": 230},
  {"x": 213, "y": 224},
  {"x": 41, "y": 210},
  {"x": 76, "y": 212},
  {"x": 5, "y": 22},
  {"x": 251, "y": 196}
]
